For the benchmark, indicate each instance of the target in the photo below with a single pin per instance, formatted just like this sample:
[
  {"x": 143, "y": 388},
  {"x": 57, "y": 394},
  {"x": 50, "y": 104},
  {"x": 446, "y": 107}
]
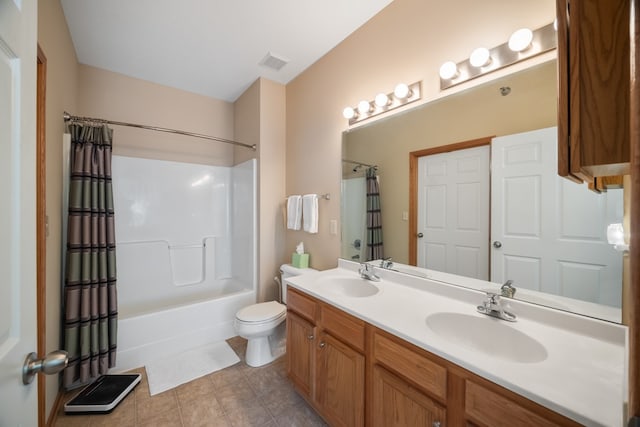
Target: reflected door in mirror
[
  {"x": 552, "y": 231},
  {"x": 453, "y": 212}
]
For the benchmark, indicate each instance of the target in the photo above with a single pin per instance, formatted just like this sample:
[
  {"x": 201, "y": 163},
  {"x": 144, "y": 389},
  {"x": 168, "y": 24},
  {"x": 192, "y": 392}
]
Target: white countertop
[{"x": 582, "y": 377}]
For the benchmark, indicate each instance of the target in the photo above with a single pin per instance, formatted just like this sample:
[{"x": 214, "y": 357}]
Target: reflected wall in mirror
[{"x": 479, "y": 112}]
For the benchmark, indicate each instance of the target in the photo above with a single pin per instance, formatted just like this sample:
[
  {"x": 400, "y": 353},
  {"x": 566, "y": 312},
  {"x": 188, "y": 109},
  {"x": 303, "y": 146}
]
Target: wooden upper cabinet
[{"x": 593, "y": 88}]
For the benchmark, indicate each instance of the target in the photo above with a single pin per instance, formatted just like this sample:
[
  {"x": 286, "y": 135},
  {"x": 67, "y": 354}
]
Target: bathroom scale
[{"x": 103, "y": 395}]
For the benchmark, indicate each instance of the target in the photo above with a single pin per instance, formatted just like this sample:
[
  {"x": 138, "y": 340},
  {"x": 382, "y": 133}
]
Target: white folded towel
[
  {"x": 294, "y": 212},
  {"x": 310, "y": 213}
]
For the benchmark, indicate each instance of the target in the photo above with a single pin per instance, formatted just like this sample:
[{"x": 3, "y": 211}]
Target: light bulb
[
  {"x": 480, "y": 57},
  {"x": 382, "y": 100},
  {"x": 348, "y": 113},
  {"x": 448, "y": 70},
  {"x": 364, "y": 107},
  {"x": 520, "y": 40},
  {"x": 401, "y": 91}
]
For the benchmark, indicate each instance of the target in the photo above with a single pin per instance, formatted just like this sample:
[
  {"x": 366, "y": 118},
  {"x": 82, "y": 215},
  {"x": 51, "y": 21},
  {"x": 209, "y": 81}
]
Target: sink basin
[
  {"x": 487, "y": 335},
  {"x": 354, "y": 287}
]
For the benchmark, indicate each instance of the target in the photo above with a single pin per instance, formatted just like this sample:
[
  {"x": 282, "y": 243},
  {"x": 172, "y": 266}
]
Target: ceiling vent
[{"x": 273, "y": 62}]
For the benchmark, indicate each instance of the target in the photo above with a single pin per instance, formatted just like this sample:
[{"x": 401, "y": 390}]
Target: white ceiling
[{"x": 210, "y": 47}]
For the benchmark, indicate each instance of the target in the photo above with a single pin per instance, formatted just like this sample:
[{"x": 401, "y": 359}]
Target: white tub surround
[
  {"x": 581, "y": 376},
  {"x": 186, "y": 254}
]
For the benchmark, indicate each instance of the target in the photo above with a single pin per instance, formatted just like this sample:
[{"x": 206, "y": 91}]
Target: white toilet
[{"x": 263, "y": 324}]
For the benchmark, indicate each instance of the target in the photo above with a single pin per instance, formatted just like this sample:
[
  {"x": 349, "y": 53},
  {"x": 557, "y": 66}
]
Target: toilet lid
[{"x": 261, "y": 312}]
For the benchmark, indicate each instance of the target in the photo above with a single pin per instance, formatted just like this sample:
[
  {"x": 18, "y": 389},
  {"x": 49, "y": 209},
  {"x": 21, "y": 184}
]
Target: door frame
[
  {"x": 413, "y": 184},
  {"x": 41, "y": 225}
]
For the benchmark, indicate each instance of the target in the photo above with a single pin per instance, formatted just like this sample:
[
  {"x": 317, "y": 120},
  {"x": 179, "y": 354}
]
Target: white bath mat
[{"x": 167, "y": 373}]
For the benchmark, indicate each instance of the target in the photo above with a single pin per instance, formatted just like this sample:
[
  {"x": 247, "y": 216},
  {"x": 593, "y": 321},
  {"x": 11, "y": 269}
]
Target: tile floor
[{"x": 236, "y": 396}]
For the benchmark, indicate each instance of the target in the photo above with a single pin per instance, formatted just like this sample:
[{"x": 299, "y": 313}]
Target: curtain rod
[
  {"x": 69, "y": 118},
  {"x": 359, "y": 163}
]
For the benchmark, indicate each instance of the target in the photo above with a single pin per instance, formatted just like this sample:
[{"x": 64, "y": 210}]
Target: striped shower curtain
[
  {"x": 375, "y": 249},
  {"x": 90, "y": 303}
]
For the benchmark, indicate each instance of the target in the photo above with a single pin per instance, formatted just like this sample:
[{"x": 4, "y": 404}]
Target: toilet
[{"x": 263, "y": 324}]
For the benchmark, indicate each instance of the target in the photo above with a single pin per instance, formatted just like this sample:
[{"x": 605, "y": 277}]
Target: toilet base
[{"x": 263, "y": 350}]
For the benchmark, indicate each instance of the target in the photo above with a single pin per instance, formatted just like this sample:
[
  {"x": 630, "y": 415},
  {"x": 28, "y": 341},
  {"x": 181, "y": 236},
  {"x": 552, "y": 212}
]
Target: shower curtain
[
  {"x": 375, "y": 249},
  {"x": 90, "y": 304}
]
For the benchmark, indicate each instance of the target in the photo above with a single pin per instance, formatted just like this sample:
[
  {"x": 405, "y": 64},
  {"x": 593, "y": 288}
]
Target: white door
[
  {"x": 453, "y": 212},
  {"x": 18, "y": 31},
  {"x": 548, "y": 233}
]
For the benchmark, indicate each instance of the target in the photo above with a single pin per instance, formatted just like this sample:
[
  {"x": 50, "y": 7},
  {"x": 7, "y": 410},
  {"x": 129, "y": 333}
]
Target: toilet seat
[{"x": 262, "y": 312}]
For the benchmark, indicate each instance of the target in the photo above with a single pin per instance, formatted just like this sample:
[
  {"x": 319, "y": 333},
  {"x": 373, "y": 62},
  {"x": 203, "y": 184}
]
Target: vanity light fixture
[
  {"x": 349, "y": 113},
  {"x": 448, "y": 70},
  {"x": 520, "y": 40},
  {"x": 403, "y": 94},
  {"x": 402, "y": 91},
  {"x": 615, "y": 237},
  {"x": 480, "y": 57},
  {"x": 522, "y": 44},
  {"x": 364, "y": 107},
  {"x": 382, "y": 100}
]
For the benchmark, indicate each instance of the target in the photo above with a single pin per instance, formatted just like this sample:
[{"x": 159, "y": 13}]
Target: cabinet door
[
  {"x": 488, "y": 408},
  {"x": 300, "y": 353},
  {"x": 594, "y": 82},
  {"x": 397, "y": 404},
  {"x": 340, "y": 382}
]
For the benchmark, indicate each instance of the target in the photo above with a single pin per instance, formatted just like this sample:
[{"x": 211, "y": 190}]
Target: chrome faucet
[
  {"x": 366, "y": 272},
  {"x": 508, "y": 290},
  {"x": 386, "y": 263},
  {"x": 493, "y": 307}
]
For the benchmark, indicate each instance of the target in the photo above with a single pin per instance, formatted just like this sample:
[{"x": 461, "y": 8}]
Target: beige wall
[
  {"x": 108, "y": 95},
  {"x": 406, "y": 42},
  {"x": 260, "y": 119},
  {"x": 272, "y": 185},
  {"x": 62, "y": 76},
  {"x": 480, "y": 112}
]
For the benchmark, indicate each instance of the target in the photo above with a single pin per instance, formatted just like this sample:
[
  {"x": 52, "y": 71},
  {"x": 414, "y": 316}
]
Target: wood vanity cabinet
[
  {"x": 422, "y": 389},
  {"x": 593, "y": 88},
  {"x": 300, "y": 342},
  {"x": 325, "y": 359},
  {"x": 407, "y": 389},
  {"x": 335, "y": 360}
]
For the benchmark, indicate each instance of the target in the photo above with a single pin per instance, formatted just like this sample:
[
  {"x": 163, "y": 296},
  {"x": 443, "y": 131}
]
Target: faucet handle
[
  {"x": 493, "y": 298},
  {"x": 508, "y": 290}
]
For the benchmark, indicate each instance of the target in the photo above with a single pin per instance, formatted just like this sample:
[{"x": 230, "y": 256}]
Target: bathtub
[{"x": 157, "y": 333}]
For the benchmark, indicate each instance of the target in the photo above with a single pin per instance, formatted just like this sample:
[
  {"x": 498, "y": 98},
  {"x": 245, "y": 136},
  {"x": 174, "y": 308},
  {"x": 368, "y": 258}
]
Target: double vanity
[{"x": 379, "y": 347}]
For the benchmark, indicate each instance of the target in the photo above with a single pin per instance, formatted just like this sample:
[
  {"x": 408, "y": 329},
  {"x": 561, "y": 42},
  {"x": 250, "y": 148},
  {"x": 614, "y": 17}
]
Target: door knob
[
  {"x": 52, "y": 363},
  {"x": 497, "y": 244},
  {"x": 322, "y": 344},
  {"x": 420, "y": 235}
]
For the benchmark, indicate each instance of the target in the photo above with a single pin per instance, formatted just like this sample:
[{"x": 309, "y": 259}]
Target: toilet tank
[{"x": 286, "y": 271}]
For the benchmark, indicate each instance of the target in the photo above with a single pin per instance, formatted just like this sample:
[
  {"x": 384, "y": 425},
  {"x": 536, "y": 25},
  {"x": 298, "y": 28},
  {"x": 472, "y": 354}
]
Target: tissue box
[{"x": 300, "y": 260}]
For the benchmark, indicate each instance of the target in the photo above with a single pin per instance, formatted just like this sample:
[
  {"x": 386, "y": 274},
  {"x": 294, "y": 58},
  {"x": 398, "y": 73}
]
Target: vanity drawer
[
  {"x": 343, "y": 326},
  {"x": 411, "y": 365},
  {"x": 302, "y": 304},
  {"x": 486, "y": 407}
]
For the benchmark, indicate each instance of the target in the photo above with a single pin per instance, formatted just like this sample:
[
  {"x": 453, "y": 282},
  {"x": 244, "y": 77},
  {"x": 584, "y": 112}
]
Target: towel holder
[{"x": 326, "y": 196}]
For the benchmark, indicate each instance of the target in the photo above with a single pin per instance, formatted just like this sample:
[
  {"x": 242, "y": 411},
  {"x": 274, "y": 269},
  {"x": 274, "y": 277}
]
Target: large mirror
[{"x": 520, "y": 102}]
